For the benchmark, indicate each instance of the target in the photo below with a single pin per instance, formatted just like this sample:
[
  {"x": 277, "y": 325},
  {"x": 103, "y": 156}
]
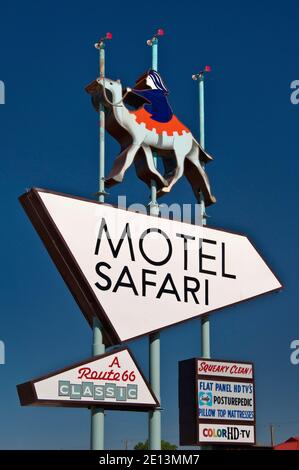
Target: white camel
[{"x": 181, "y": 153}]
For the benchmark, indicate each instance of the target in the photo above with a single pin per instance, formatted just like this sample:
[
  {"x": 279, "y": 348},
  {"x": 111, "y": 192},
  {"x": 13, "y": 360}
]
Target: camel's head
[
  {"x": 105, "y": 91},
  {"x": 111, "y": 89},
  {"x": 114, "y": 86}
]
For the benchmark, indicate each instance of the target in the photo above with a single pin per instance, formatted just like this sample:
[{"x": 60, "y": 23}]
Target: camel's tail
[{"x": 203, "y": 155}]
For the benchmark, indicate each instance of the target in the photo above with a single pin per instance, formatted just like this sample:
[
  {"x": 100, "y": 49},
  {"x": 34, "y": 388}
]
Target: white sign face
[
  {"x": 225, "y": 400},
  {"x": 224, "y": 369},
  {"x": 226, "y": 433},
  {"x": 112, "y": 380},
  {"x": 147, "y": 273}
]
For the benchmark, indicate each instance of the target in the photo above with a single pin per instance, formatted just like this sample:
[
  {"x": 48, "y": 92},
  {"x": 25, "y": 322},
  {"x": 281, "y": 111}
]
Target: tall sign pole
[
  {"x": 98, "y": 345},
  {"x": 154, "y": 339},
  {"x": 205, "y": 321},
  {"x": 154, "y": 206}
]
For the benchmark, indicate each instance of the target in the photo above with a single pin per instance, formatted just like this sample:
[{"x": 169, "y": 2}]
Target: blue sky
[{"x": 48, "y": 138}]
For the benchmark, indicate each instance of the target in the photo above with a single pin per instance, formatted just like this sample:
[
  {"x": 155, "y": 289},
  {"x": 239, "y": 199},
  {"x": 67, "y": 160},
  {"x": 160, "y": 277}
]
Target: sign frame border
[
  {"x": 72, "y": 274},
  {"x": 193, "y": 389},
  {"x": 28, "y": 396}
]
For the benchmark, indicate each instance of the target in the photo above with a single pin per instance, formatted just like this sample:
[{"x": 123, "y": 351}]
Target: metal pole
[
  {"x": 272, "y": 432},
  {"x": 154, "y": 339},
  {"x": 102, "y": 130},
  {"x": 97, "y": 414},
  {"x": 205, "y": 321},
  {"x": 98, "y": 346},
  {"x": 154, "y": 206},
  {"x": 201, "y": 110}
]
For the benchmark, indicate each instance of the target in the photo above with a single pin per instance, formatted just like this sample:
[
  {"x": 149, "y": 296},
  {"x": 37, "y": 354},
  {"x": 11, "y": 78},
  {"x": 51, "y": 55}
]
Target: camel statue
[{"x": 139, "y": 138}]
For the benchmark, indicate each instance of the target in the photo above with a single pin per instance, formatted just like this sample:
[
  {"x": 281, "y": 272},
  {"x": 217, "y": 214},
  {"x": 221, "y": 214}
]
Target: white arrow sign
[
  {"x": 112, "y": 381},
  {"x": 140, "y": 273}
]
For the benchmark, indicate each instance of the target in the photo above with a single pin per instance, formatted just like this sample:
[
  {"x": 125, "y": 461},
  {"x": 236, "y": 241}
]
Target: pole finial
[
  {"x": 101, "y": 42},
  {"x": 160, "y": 32},
  {"x": 200, "y": 74}
]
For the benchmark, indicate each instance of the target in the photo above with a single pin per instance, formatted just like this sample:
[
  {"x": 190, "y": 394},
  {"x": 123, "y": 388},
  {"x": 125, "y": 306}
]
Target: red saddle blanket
[{"x": 174, "y": 125}]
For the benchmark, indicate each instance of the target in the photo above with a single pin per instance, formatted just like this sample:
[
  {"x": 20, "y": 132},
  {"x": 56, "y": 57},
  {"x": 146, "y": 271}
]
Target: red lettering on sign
[
  {"x": 204, "y": 367},
  {"x": 214, "y": 368},
  {"x": 241, "y": 370},
  {"x": 87, "y": 373},
  {"x": 115, "y": 362}
]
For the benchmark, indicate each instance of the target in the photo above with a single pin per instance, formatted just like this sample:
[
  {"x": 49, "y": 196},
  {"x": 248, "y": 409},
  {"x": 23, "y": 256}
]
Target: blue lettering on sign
[
  {"x": 223, "y": 387},
  {"x": 206, "y": 413},
  {"x": 205, "y": 385}
]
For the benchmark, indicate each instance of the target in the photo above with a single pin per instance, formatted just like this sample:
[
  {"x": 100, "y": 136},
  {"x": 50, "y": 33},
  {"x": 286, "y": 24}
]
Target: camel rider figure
[
  {"x": 157, "y": 113},
  {"x": 151, "y": 87}
]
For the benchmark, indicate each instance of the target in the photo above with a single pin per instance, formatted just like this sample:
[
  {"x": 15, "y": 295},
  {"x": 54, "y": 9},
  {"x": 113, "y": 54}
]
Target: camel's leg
[
  {"x": 197, "y": 176},
  {"x": 170, "y": 164},
  {"x": 180, "y": 156},
  {"x": 122, "y": 162},
  {"x": 151, "y": 166}
]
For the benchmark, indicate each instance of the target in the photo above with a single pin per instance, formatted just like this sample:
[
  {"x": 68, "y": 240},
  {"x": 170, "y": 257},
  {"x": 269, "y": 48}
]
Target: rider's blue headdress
[{"x": 157, "y": 79}]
